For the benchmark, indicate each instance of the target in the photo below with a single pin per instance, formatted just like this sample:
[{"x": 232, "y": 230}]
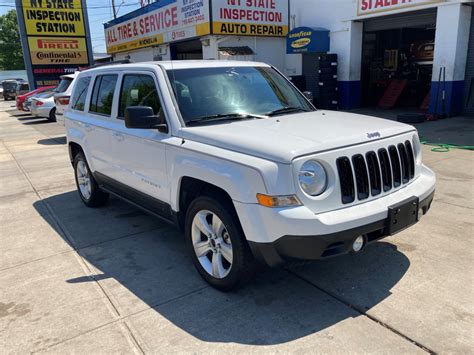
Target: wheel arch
[
  {"x": 74, "y": 148},
  {"x": 191, "y": 187}
]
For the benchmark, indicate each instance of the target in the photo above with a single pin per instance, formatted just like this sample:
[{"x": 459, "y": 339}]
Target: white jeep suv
[{"x": 234, "y": 154}]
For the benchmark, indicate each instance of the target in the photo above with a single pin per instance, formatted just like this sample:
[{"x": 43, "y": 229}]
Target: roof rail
[{"x": 123, "y": 61}]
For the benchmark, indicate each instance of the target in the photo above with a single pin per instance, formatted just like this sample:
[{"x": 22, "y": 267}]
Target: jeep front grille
[{"x": 375, "y": 173}]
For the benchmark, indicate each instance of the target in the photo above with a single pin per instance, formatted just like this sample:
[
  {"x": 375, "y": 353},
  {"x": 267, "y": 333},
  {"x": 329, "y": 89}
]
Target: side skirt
[{"x": 137, "y": 198}]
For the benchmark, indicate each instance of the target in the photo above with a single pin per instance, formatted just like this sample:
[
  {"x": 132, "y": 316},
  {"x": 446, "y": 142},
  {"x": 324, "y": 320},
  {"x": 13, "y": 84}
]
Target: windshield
[
  {"x": 211, "y": 92},
  {"x": 63, "y": 85}
]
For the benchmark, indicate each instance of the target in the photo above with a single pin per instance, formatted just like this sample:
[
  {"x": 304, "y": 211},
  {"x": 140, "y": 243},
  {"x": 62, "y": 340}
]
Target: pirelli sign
[
  {"x": 55, "y": 35},
  {"x": 53, "y": 51}
]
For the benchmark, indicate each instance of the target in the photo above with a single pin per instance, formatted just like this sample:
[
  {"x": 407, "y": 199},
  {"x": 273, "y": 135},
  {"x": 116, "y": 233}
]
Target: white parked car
[
  {"x": 42, "y": 105},
  {"x": 63, "y": 94},
  {"x": 234, "y": 154}
]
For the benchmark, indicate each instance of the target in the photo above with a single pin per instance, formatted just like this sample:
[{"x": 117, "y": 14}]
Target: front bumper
[
  {"x": 275, "y": 235},
  {"x": 291, "y": 247}
]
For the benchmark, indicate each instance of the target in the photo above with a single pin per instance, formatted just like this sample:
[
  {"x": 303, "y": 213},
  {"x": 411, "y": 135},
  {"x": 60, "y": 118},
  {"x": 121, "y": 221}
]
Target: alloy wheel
[
  {"x": 83, "y": 179},
  {"x": 212, "y": 244}
]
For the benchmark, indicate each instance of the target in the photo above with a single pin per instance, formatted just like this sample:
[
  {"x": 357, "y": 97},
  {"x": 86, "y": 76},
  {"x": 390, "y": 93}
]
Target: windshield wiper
[
  {"x": 286, "y": 109},
  {"x": 224, "y": 117}
]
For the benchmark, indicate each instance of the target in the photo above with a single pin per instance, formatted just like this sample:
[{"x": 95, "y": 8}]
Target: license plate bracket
[{"x": 402, "y": 215}]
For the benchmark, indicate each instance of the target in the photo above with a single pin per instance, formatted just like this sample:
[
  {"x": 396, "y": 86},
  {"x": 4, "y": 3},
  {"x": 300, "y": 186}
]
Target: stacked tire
[{"x": 328, "y": 96}]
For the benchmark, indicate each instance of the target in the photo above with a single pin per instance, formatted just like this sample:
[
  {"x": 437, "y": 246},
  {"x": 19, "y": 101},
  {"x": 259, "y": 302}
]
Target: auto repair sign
[
  {"x": 366, "y": 7},
  {"x": 250, "y": 17},
  {"x": 159, "y": 22}
]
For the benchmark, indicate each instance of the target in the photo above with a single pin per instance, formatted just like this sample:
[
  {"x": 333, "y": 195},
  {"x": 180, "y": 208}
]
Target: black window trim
[{"x": 97, "y": 77}]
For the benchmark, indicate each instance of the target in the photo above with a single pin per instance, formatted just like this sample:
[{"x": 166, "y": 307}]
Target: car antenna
[{"x": 176, "y": 95}]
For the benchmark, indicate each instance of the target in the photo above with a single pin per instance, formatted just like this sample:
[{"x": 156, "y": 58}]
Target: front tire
[
  {"x": 87, "y": 187},
  {"x": 217, "y": 244}
]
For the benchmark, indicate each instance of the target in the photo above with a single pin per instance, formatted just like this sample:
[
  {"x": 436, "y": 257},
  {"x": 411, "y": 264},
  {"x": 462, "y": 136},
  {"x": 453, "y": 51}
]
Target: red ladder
[{"x": 392, "y": 93}]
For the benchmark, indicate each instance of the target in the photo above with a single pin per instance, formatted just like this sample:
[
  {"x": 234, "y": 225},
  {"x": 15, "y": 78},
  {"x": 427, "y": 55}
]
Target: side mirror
[
  {"x": 143, "y": 117},
  {"x": 308, "y": 95}
]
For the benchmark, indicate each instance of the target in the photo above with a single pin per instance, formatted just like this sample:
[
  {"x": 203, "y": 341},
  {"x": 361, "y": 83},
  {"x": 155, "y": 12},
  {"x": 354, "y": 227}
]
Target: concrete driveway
[{"x": 113, "y": 279}]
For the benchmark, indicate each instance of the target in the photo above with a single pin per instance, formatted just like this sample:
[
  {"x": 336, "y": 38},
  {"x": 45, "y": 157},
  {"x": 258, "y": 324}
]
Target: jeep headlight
[{"x": 312, "y": 178}]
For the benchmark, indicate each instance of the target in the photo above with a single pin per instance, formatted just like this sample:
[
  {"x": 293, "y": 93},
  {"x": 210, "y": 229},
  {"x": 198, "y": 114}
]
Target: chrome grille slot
[
  {"x": 396, "y": 168},
  {"x": 411, "y": 159},
  {"x": 404, "y": 163},
  {"x": 386, "y": 169},
  {"x": 362, "y": 180},
  {"x": 346, "y": 179},
  {"x": 376, "y": 172}
]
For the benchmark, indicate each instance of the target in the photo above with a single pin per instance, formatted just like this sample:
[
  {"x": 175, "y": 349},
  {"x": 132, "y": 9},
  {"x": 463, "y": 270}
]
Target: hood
[{"x": 283, "y": 138}]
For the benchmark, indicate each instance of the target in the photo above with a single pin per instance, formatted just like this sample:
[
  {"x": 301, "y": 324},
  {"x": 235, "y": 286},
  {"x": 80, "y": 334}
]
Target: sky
[{"x": 99, "y": 11}]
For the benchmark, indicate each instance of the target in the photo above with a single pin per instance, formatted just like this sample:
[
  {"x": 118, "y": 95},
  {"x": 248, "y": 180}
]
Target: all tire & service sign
[
  {"x": 55, "y": 38},
  {"x": 159, "y": 22}
]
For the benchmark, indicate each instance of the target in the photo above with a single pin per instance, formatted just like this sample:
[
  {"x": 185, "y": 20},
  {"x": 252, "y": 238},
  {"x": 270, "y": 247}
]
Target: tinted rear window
[
  {"x": 78, "y": 100},
  {"x": 63, "y": 85},
  {"x": 103, "y": 94}
]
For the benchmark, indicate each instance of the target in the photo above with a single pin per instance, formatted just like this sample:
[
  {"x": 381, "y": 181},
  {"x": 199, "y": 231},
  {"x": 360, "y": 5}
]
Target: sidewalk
[{"x": 114, "y": 279}]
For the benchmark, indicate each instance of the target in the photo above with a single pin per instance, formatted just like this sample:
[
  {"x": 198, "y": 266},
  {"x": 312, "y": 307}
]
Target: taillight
[
  {"x": 39, "y": 103},
  {"x": 63, "y": 100}
]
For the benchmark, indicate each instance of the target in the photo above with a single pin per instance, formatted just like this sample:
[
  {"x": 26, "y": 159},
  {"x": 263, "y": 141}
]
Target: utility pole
[{"x": 114, "y": 9}]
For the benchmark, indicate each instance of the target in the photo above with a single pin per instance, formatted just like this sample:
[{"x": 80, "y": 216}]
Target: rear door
[
  {"x": 97, "y": 122},
  {"x": 139, "y": 155}
]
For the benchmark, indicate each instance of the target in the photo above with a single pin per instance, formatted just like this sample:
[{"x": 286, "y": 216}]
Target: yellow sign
[
  {"x": 249, "y": 29},
  {"x": 302, "y": 42},
  {"x": 135, "y": 44},
  {"x": 53, "y": 50},
  {"x": 53, "y": 17}
]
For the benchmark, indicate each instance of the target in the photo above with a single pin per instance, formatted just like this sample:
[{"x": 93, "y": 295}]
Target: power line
[{"x": 82, "y": 7}]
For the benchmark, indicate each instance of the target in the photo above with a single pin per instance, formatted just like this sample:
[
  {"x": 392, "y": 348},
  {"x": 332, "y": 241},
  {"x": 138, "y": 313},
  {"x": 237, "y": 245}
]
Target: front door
[{"x": 139, "y": 158}]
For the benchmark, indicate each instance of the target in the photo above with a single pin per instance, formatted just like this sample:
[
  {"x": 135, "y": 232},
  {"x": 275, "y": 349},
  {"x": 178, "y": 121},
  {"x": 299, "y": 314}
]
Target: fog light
[
  {"x": 420, "y": 213},
  {"x": 358, "y": 243}
]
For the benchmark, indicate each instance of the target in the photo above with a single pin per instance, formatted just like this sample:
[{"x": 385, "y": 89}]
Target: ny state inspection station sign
[{"x": 55, "y": 38}]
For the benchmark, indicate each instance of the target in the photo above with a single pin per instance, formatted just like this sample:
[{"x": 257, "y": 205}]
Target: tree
[{"x": 11, "y": 54}]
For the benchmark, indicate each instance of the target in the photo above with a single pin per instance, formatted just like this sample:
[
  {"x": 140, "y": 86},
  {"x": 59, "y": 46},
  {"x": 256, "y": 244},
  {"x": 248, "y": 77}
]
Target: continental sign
[
  {"x": 250, "y": 17},
  {"x": 366, "y": 7},
  {"x": 159, "y": 22},
  {"x": 53, "y": 17},
  {"x": 49, "y": 50}
]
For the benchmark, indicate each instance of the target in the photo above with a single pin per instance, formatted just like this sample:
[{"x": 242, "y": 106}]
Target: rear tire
[
  {"x": 213, "y": 231},
  {"x": 89, "y": 191},
  {"x": 52, "y": 115}
]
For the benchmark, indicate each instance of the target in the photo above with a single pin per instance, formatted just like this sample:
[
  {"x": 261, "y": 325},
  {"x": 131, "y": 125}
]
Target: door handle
[{"x": 118, "y": 136}]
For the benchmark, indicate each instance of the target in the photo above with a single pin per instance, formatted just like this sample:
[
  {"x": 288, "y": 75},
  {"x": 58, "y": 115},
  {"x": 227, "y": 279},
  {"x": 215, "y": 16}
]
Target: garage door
[
  {"x": 469, "y": 82},
  {"x": 414, "y": 19}
]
